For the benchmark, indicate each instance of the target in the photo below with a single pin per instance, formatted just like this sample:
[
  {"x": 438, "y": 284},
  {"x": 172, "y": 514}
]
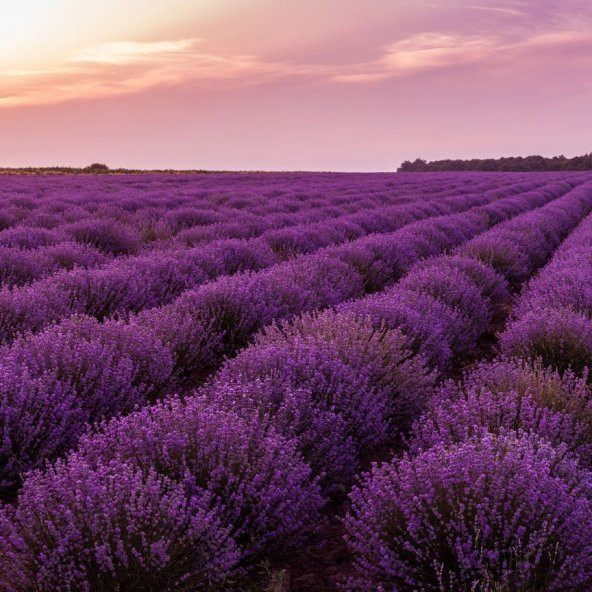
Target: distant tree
[
  {"x": 96, "y": 167},
  {"x": 406, "y": 166},
  {"x": 535, "y": 163},
  {"x": 488, "y": 164}
]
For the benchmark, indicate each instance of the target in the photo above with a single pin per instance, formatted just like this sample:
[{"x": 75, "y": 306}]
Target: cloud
[
  {"x": 433, "y": 51},
  {"x": 556, "y": 39},
  {"x": 125, "y": 67},
  {"x": 421, "y": 52},
  {"x": 129, "y": 52},
  {"x": 499, "y": 9}
]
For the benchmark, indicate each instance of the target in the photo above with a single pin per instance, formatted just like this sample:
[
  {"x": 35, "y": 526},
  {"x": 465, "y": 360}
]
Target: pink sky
[{"x": 292, "y": 84}]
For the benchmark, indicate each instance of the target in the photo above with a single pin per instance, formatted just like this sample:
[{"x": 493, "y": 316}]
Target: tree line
[{"x": 510, "y": 163}]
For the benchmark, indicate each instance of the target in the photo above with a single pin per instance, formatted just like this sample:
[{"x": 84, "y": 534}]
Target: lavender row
[
  {"x": 552, "y": 319},
  {"x": 343, "y": 384},
  {"x": 213, "y": 494},
  {"x": 507, "y": 450},
  {"x": 166, "y": 206},
  {"x": 495, "y": 492},
  {"x": 132, "y": 284},
  {"x": 19, "y": 267},
  {"x": 294, "y": 239},
  {"x": 236, "y": 477},
  {"x": 53, "y": 387},
  {"x": 238, "y": 480},
  {"x": 367, "y": 365}
]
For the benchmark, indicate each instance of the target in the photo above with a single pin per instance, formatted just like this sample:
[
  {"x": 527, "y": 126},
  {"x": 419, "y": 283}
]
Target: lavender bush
[
  {"x": 111, "y": 527},
  {"x": 562, "y": 339},
  {"x": 57, "y": 382},
  {"x": 322, "y": 435},
  {"x": 510, "y": 395},
  {"x": 434, "y": 328},
  {"x": 500, "y": 513},
  {"x": 109, "y": 237},
  {"x": 552, "y": 318},
  {"x": 126, "y": 463},
  {"x": 254, "y": 479}
]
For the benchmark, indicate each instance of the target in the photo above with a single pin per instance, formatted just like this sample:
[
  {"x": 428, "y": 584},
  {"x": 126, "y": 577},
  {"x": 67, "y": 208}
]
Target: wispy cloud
[
  {"x": 421, "y": 52},
  {"x": 129, "y": 52},
  {"x": 505, "y": 10},
  {"x": 125, "y": 67},
  {"x": 128, "y": 66},
  {"x": 432, "y": 51}
]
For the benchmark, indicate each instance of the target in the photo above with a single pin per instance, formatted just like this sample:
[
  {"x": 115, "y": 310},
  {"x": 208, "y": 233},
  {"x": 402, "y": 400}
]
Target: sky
[{"x": 343, "y": 85}]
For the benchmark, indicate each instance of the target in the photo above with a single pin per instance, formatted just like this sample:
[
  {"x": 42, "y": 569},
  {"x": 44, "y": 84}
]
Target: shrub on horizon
[{"x": 96, "y": 167}]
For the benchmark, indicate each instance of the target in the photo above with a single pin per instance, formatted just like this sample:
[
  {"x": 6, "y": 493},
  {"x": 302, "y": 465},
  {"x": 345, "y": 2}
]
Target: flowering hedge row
[
  {"x": 124, "y": 214},
  {"x": 37, "y": 235},
  {"x": 85, "y": 367},
  {"x": 552, "y": 319},
  {"x": 131, "y": 284},
  {"x": 240, "y": 470}
]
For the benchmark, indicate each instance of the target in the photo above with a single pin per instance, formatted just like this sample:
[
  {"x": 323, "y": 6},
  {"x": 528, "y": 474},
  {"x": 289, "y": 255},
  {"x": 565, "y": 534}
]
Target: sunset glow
[{"x": 346, "y": 85}]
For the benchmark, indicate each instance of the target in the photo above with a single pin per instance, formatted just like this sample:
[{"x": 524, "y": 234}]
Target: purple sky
[{"x": 261, "y": 84}]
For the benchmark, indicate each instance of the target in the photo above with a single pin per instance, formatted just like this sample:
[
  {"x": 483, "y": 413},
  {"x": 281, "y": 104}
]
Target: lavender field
[{"x": 296, "y": 382}]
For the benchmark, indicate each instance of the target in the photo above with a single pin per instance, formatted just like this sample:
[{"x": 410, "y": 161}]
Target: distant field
[{"x": 197, "y": 373}]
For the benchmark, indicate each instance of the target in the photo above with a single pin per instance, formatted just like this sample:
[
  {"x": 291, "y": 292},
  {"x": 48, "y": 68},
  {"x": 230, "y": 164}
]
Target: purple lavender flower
[
  {"x": 510, "y": 395},
  {"x": 562, "y": 339},
  {"x": 111, "y": 526},
  {"x": 56, "y": 382},
  {"x": 507, "y": 512},
  {"x": 109, "y": 237},
  {"x": 368, "y": 376},
  {"x": 321, "y": 434},
  {"x": 254, "y": 479}
]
